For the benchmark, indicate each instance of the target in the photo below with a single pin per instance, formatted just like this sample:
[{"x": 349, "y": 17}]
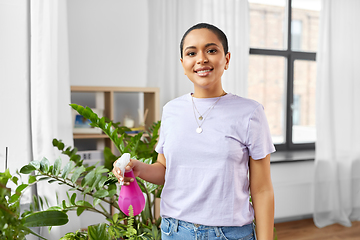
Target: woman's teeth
[{"x": 203, "y": 71}]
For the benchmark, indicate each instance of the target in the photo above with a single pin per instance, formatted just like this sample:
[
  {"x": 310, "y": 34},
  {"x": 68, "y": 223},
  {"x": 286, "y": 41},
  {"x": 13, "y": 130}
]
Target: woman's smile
[
  {"x": 203, "y": 71},
  {"x": 204, "y": 60}
]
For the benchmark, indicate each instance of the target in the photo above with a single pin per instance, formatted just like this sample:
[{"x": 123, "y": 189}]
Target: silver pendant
[{"x": 199, "y": 130}]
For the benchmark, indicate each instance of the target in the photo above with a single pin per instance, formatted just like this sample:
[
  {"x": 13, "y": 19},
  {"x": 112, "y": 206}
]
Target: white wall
[
  {"x": 108, "y": 46},
  {"x": 108, "y": 42},
  {"x": 293, "y": 188}
]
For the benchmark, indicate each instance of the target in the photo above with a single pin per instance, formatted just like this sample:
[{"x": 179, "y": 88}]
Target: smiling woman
[
  {"x": 215, "y": 139},
  {"x": 204, "y": 61}
]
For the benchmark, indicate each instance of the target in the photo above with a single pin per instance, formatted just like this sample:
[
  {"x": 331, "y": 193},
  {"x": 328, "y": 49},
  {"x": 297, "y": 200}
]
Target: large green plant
[
  {"x": 16, "y": 226},
  {"x": 94, "y": 188}
]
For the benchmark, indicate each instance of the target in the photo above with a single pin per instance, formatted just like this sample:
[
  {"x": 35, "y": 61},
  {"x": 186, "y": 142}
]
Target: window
[{"x": 282, "y": 68}]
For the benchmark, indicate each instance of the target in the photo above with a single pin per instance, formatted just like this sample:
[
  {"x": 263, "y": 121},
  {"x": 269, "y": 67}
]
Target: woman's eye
[
  {"x": 212, "y": 51},
  {"x": 190, "y": 54}
]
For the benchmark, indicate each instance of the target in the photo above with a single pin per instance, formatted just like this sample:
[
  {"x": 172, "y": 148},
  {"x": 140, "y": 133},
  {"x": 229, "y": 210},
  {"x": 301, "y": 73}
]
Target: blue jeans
[{"x": 180, "y": 230}]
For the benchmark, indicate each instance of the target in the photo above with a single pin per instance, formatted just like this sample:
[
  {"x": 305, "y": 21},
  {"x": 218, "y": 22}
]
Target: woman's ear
[
  {"x": 181, "y": 60},
  {"x": 227, "y": 57}
]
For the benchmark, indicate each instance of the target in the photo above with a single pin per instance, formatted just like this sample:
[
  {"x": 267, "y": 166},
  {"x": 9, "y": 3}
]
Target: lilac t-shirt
[{"x": 206, "y": 179}]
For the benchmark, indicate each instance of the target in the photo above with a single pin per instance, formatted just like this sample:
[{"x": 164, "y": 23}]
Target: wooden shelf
[
  {"x": 151, "y": 102},
  {"x": 90, "y": 136}
]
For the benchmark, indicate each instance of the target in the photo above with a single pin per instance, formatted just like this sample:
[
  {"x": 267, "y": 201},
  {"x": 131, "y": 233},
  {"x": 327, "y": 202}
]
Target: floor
[{"x": 306, "y": 230}]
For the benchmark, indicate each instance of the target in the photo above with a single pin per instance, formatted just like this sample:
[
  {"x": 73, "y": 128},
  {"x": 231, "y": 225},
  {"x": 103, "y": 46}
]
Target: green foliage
[
  {"x": 98, "y": 232},
  {"x": 14, "y": 226},
  {"x": 84, "y": 182},
  {"x": 78, "y": 235}
]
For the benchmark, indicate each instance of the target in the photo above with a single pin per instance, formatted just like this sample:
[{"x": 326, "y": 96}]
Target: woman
[{"x": 209, "y": 141}]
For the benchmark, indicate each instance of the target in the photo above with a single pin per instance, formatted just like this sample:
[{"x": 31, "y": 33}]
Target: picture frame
[{"x": 81, "y": 125}]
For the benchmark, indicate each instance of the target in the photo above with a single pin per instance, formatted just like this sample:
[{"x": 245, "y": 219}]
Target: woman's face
[{"x": 204, "y": 60}]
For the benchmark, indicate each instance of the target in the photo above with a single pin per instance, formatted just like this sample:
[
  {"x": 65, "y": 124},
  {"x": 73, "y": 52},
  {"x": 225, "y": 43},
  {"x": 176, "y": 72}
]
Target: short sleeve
[
  {"x": 259, "y": 142},
  {"x": 160, "y": 145}
]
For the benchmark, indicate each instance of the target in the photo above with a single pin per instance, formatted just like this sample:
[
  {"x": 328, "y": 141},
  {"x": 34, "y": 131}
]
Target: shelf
[
  {"x": 105, "y": 98},
  {"x": 90, "y": 136}
]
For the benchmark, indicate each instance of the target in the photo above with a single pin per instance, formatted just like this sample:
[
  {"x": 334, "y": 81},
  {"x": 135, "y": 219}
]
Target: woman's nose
[{"x": 202, "y": 58}]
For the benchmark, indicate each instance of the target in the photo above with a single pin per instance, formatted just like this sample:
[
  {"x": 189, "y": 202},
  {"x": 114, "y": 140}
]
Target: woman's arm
[
  {"x": 262, "y": 195},
  {"x": 154, "y": 173}
]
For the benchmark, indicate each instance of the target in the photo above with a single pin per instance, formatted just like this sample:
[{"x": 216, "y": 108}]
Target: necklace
[{"x": 205, "y": 114}]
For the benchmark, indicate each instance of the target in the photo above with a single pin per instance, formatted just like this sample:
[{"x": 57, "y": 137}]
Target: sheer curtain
[
  {"x": 168, "y": 21},
  {"x": 337, "y": 164},
  {"x": 50, "y": 95}
]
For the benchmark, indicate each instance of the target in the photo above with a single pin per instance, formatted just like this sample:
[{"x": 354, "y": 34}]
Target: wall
[
  {"x": 293, "y": 188},
  {"x": 108, "y": 43}
]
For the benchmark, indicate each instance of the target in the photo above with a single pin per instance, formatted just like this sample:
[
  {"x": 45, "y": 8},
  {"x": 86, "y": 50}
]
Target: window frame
[{"x": 291, "y": 57}]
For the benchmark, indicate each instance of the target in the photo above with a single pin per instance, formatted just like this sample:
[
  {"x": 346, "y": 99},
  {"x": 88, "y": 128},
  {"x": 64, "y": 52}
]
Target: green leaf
[
  {"x": 96, "y": 182},
  {"x": 98, "y": 232},
  {"x": 44, "y": 165},
  {"x": 32, "y": 179},
  {"x": 80, "y": 109},
  {"x": 75, "y": 158},
  {"x": 94, "y": 118},
  {"x": 55, "y": 142},
  {"x": 73, "y": 198},
  {"x": 61, "y": 146},
  {"x": 41, "y": 202},
  {"x": 96, "y": 201},
  {"x": 86, "y": 113},
  {"x": 114, "y": 133},
  {"x": 50, "y": 169},
  {"x": 36, "y": 164},
  {"x": 101, "y": 170},
  {"x": 101, "y": 193},
  {"x": 112, "y": 192},
  {"x": 80, "y": 210},
  {"x": 67, "y": 151},
  {"x": 89, "y": 179},
  {"x": 74, "y": 106},
  {"x": 45, "y": 218},
  {"x": 55, "y": 208},
  {"x": 115, "y": 217},
  {"x": 74, "y": 151},
  {"x": 102, "y": 123},
  {"x": 14, "y": 198},
  {"x": 68, "y": 167},
  {"x": 102, "y": 181},
  {"x": 51, "y": 181},
  {"x": 77, "y": 173},
  {"x": 27, "y": 169},
  {"x": 20, "y": 188},
  {"x": 84, "y": 203},
  {"x": 57, "y": 166},
  {"x": 64, "y": 204},
  {"x": 87, "y": 190},
  {"x": 15, "y": 179},
  {"x": 43, "y": 179}
]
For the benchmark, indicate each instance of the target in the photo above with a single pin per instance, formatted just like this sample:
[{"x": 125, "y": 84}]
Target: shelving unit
[{"x": 105, "y": 99}]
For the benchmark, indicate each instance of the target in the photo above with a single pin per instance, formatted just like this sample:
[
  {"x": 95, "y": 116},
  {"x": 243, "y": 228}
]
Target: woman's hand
[
  {"x": 154, "y": 173},
  {"x": 131, "y": 166}
]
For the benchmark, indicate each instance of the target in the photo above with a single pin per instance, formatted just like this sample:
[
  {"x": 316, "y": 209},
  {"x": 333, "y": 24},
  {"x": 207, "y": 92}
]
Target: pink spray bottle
[{"x": 130, "y": 194}]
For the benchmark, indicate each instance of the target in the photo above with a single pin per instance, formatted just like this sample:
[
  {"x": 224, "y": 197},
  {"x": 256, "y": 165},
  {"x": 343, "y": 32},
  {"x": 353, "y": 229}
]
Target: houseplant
[
  {"x": 93, "y": 187},
  {"x": 14, "y": 225}
]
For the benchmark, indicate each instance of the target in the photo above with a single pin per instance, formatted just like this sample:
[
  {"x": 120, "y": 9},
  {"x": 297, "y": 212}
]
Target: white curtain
[
  {"x": 168, "y": 21},
  {"x": 50, "y": 94},
  {"x": 337, "y": 164}
]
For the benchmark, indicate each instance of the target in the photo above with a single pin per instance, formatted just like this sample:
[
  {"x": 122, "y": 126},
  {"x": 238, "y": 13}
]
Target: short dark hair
[{"x": 220, "y": 34}]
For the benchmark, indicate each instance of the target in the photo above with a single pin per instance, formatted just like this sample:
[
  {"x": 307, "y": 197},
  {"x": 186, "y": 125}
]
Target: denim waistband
[{"x": 199, "y": 226}]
